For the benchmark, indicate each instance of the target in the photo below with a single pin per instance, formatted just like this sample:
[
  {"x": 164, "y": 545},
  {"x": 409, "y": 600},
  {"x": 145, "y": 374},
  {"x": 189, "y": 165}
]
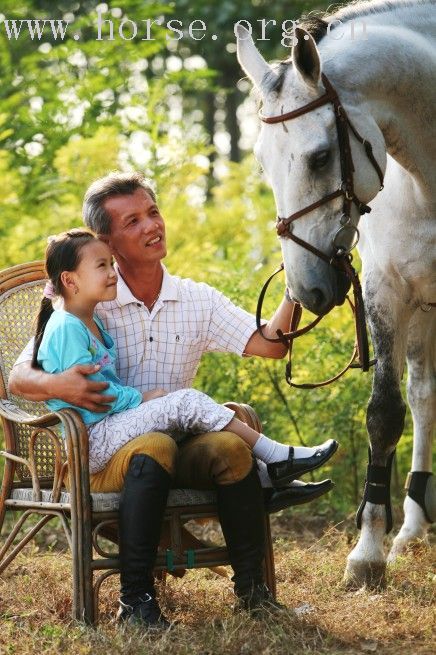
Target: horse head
[{"x": 301, "y": 159}]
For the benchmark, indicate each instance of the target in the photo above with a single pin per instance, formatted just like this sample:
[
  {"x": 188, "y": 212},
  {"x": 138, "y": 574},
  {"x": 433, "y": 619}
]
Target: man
[{"x": 162, "y": 325}]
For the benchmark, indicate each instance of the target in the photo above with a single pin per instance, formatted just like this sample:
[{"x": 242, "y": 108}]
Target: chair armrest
[
  {"x": 76, "y": 445},
  {"x": 11, "y": 412},
  {"x": 246, "y": 414}
]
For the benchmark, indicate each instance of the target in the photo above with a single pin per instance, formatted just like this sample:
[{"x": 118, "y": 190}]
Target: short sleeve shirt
[
  {"x": 67, "y": 341},
  {"x": 162, "y": 348}
]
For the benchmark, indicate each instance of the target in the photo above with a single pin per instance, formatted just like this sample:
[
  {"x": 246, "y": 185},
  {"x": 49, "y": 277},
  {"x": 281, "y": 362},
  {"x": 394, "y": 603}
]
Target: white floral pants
[{"x": 183, "y": 412}]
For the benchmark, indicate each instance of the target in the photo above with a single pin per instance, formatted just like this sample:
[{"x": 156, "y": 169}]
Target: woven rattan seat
[
  {"x": 109, "y": 502},
  {"x": 37, "y": 461}
]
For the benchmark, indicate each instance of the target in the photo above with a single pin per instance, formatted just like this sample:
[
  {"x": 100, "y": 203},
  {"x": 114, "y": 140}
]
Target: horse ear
[
  {"x": 305, "y": 57},
  {"x": 249, "y": 57}
]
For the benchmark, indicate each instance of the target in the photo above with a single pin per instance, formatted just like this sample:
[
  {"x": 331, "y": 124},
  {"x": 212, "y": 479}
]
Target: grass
[{"x": 35, "y": 605}]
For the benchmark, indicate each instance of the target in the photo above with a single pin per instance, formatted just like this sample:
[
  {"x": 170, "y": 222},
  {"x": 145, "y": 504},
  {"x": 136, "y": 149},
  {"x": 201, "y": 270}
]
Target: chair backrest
[{"x": 20, "y": 297}]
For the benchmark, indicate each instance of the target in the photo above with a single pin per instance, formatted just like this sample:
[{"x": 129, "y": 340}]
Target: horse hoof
[{"x": 364, "y": 574}]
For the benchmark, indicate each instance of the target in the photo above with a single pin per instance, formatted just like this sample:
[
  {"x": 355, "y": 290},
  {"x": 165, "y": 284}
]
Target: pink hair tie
[{"x": 49, "y": 291}]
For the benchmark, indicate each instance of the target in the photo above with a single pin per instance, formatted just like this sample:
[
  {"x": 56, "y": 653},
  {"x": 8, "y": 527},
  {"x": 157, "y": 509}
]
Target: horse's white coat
[{"x": 387, "y": 85}]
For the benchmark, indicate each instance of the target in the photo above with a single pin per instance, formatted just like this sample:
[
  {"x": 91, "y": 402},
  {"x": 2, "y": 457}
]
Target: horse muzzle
[{"x": 324, "y": 293}]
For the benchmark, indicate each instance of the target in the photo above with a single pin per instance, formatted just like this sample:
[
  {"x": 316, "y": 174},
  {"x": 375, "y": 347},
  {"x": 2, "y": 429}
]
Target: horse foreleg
[
  {"x": 420, "y": 502},
  {"x": 366, "y": 564}
]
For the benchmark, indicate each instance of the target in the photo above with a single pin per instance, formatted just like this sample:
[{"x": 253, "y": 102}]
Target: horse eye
[{"x": 319, "y": 159}]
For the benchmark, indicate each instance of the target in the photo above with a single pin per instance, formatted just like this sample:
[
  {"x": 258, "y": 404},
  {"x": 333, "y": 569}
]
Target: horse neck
[{"x": 393, "y": 74}]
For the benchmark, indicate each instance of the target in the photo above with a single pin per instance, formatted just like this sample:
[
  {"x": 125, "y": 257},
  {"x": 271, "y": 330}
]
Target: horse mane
[{"x": 316, "y": 24}]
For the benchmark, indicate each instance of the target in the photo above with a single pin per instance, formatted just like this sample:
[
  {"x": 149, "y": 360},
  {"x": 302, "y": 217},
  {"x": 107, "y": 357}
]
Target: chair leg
[
  {"x": 8, "y": 476},
  {"x": 270, "y": 574},
  {"x": 2, "y": 515},
  {"x": 25, "y": 540},
  {"x": 83, "y": 597},
  {"x": 81, "y": 522}
]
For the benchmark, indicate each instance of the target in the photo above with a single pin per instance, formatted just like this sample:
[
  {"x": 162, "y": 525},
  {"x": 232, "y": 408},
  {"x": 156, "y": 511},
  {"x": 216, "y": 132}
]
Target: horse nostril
[{"x": 318, "y": 298}]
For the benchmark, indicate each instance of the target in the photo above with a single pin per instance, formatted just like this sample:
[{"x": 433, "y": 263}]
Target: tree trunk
[
  {"x": 232, "y": 125},
  {"x": 209, "y": 125}
]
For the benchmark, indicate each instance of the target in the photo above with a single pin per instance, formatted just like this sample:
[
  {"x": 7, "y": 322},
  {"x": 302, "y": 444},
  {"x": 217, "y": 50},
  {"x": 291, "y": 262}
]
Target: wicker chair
[{"x": 38, "y": 463}]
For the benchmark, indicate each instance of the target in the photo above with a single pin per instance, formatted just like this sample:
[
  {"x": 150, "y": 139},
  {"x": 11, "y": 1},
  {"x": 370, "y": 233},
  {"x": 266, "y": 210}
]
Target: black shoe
[
  {"x": 281, "y": 473},
  {"x": 297, "y": 493},
  {"x": 258, "y": 600},
  {"x": 145, "y": 613}
]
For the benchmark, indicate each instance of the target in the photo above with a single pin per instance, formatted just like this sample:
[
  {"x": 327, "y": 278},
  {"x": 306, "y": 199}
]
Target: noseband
[{"x": 341, "y": 258}]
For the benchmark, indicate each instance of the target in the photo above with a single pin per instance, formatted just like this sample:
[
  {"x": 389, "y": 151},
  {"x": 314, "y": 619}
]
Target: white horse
[{"x": 387, "y": 86}]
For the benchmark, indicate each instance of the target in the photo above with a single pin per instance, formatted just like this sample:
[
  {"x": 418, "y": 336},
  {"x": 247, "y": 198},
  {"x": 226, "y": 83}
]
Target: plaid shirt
[{"x": 162, "y": 348}]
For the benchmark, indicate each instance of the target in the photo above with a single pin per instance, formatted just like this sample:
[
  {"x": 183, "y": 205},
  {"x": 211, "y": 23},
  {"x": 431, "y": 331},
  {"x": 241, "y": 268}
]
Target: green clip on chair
[{"x": 37, "y": 462}]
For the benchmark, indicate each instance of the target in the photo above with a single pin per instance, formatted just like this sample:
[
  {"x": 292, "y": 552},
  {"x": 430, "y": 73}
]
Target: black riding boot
[
  {"x": 142, "y": 506},
  {"x": 240, "y": 511}
]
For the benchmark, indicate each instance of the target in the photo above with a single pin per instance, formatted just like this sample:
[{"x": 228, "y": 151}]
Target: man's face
[{"x": 137, "y": 229}]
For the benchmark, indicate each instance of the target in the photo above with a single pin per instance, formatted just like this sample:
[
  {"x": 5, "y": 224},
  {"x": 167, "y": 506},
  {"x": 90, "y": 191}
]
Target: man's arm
[
  {"x": 72, "y": 386},
  {"x": 281, "y": 319}
]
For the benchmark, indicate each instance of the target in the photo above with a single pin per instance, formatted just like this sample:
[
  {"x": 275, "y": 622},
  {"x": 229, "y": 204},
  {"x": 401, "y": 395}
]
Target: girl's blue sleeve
[{"x": 69, "y": 344}]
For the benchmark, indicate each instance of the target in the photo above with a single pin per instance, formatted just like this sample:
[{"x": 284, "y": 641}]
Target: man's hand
[
  {"x": 75, "y": 388},
  {"x": 155, "y": 393},
  {"x": 72, "y": 386}
]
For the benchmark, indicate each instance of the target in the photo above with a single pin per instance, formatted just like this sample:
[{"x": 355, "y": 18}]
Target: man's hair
[{"x": 114, "y": 184}]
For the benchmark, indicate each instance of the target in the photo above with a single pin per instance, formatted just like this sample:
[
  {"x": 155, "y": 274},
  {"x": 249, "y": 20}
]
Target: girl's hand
[{"x": 155, "y": 393}]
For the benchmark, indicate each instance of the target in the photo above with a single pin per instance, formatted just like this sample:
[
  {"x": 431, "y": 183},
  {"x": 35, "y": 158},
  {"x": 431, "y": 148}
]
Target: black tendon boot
[
  {"x": 240, "y": 511},
  {"x": 142, "y": 506}
]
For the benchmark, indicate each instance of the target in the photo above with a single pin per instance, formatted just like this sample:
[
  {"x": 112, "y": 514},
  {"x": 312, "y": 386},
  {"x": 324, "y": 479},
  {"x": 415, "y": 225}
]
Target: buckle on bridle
[
  {"x": 346, "y": 233},
  {"x": 339, "y": 110},
  {"x": 344, "y": 189},
  {"x": 282, "y": 221}
]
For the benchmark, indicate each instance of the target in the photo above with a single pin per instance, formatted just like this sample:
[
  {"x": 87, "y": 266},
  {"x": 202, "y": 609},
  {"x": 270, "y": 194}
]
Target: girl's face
[{"x": 95, "y": 277}]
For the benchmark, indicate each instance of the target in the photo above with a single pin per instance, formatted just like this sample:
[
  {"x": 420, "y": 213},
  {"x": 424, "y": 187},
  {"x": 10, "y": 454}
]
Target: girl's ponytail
[{"x": 45, "y": 311}]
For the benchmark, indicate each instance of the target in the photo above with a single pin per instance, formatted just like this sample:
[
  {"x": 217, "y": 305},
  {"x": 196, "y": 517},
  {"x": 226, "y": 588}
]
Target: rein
[
  {"x": 361, "y": 346},
  {"x": 342, "y": 258}
]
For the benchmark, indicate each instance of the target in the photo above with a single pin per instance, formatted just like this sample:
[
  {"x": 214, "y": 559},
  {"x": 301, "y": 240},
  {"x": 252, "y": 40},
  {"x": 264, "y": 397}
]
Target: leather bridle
[{"x": 341, "y": 259}]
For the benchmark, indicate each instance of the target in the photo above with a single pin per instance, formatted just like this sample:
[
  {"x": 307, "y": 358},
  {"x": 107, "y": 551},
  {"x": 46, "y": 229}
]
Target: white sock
[{"x": 270, "y": 451}]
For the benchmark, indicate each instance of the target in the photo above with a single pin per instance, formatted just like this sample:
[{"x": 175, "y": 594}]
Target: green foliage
[{"x": 69, "y": 113}]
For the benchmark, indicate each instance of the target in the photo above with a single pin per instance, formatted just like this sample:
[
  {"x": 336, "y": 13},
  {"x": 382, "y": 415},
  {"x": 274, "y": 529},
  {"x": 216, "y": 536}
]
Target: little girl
[{"x": 79, "y": 267}]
